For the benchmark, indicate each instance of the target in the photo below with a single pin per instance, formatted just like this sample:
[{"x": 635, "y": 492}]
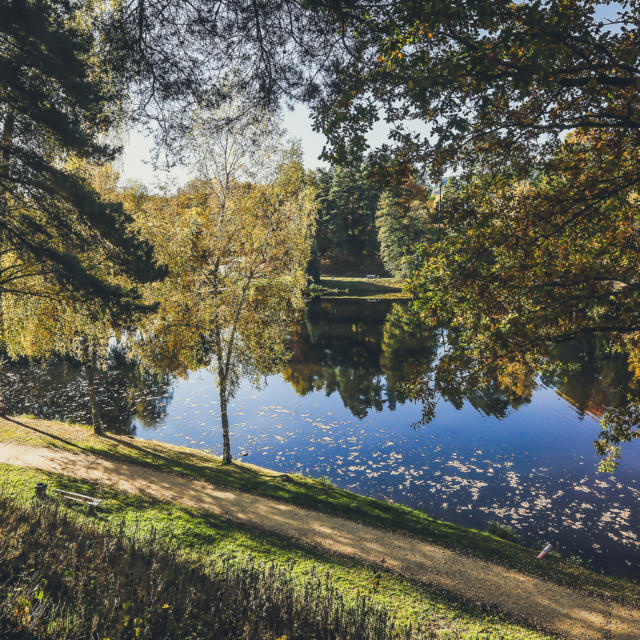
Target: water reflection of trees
[
  {"x": 370, "y": 353},
  {"x": 590, "y": 376},
  {"x": 374, "y": 354},
  {"x": 337, "y": 348},
  {"x": 57, "y": 389},
  {"x": 361, "y": 350},
  {"x": 587, "y": 372}
]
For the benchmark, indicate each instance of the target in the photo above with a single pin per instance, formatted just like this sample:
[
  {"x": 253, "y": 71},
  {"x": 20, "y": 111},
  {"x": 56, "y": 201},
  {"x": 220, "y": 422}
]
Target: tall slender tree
[
  {"x": 403, "y": 220},
  {"x": 237, "y": 241}
]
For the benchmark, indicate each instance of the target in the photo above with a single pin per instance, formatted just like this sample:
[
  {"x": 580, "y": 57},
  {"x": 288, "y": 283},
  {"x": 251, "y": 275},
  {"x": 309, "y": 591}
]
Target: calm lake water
[{"x": 337, "y": 410}]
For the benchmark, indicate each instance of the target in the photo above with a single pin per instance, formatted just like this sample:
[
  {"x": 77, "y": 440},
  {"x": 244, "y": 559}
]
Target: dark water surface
[{"x": 524, "y": 459}]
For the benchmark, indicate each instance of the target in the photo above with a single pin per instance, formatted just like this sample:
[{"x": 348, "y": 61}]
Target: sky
[{"x": 135, "y": 165}]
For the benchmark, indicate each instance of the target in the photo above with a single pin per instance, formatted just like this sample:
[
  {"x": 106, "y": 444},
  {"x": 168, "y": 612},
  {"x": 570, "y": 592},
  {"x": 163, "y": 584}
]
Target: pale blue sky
[{"x": 135, "y": 164}]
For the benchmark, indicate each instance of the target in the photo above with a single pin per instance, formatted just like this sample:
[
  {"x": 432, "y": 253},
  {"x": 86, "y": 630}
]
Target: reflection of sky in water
[{"x": 534, "y": 470}]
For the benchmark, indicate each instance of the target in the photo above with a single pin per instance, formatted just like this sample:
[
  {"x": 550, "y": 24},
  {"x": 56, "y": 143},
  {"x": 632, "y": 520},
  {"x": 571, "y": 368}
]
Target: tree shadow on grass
[
  {"x": 203, "y": 536},
  {"x": 192, "y": 469},
  {"x": 45, "y": 433}
]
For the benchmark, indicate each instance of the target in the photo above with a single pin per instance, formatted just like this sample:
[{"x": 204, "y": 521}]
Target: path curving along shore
[{"x": 548, "y": 606}]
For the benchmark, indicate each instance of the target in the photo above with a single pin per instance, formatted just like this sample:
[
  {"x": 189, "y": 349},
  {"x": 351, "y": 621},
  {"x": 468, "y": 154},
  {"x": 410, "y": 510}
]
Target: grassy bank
[
  {"x": 55, "y": 562},
  {"x": 64, "y": 577},
  {"x": 354, "y": 287},
  {"x": 319, "y": 495}
]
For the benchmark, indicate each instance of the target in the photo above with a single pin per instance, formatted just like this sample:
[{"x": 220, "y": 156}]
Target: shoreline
[
  {"x": 355, "y": 287},
  {"x": 540, "y": 603},
  {"x": 314, "y": 494}
]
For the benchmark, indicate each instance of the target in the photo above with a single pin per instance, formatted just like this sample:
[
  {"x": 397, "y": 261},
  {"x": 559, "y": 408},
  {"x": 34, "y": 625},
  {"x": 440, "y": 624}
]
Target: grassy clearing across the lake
[
  {"x": 356, "y": 287},
  {"x": 199, "y": 539},
  {"x": 319, "y": 495}
]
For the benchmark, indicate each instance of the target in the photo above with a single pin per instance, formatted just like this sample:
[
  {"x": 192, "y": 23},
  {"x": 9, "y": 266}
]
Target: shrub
[{"x": 62, "y": 576}]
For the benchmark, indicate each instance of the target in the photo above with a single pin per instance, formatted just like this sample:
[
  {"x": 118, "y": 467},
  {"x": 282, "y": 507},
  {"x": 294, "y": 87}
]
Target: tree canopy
[
  {"x": 346, "y": 232},
  {"x": 484, "y": 76},
  {"x": 55, "y": 102}
]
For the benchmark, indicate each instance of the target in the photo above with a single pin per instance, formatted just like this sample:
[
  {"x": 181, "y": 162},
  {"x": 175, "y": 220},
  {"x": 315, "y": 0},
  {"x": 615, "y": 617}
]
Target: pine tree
[
  {"x": 347, "y": 201},
  {"x": 401, "y": 225},
  {"x": 354, "y": 201},
  {"x": 54, "y": 105}
]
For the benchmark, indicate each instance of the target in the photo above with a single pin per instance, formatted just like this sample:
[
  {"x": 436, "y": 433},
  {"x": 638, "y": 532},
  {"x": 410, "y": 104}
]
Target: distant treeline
[
  {"x": 63, "y": 577},
  {"x": 368, "y": 220}
]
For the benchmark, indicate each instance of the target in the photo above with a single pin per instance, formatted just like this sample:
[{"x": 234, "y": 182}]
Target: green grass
[
  {"x": 319, "y": 495},
  {"x": 64, "y": 575},
  {"x": 341, "y": 287},
  {"x": 206, "y": 540},
  {"x": 500, "y": 531}
]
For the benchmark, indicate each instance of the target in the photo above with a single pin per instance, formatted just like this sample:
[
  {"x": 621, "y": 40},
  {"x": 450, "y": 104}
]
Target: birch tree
[{"x": 237, "y": 241}]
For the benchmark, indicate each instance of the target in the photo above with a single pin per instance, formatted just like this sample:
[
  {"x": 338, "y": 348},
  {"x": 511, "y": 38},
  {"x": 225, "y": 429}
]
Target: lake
[{"x": 338, "y": 410}]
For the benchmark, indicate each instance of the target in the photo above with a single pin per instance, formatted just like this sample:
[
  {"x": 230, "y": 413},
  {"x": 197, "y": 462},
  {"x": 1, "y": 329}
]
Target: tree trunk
[
  {"x": 226, "y": 442},
  {"x": 8, "y": 127},
  {"x": 2, "y": 407},
  {"x": 95, "y": 409},
  {"x": 7, "y": 137}
]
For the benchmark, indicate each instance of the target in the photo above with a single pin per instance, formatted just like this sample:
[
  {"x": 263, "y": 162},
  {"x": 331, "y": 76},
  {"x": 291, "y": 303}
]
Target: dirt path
[{"x": 558, "y": 609}]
